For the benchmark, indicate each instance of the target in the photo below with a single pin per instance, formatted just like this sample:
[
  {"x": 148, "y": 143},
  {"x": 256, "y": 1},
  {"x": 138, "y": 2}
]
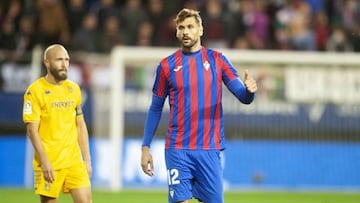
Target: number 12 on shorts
[{"x": 173, "y": 175}]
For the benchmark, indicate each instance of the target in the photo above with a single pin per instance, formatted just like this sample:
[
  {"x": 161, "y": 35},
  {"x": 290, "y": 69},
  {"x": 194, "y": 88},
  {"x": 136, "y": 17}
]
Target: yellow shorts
[{"x": 65, "y": 180}]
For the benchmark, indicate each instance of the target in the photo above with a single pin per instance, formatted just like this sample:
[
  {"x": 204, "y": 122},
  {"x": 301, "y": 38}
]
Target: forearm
[
  {"x": 33, "y": 134},
  {"x": 152, "y": 120},
  {"x": 238, "y": 89},
  {"x": 83, "y": 138}
]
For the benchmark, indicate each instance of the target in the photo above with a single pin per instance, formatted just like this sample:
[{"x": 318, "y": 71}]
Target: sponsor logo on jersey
[{"x": 177, "y": 68}]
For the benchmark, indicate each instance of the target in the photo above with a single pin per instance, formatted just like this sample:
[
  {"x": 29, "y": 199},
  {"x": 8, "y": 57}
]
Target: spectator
[
  {"x": 86, "y": 37},
  {"x": 52, "y": 22},
  {"x": 132, "y": 15},
  {"x": 14, "y": 12},
  {"x": 214, "y": 25},
  {"x": 167, "y": 34},
  {"x": 25, "y": 38},
  {"x": 321, "y": 30},
  {"x": 76, "y": 11},
  {"x": 8, "y": 38},
  {"x": 256, "y": 23},
  {"x": 104, "y": 9},
  {"x": 295, "y": 16},
  {"x": 145, "y": 34},
  {"x": 112, "y": 35},
  {"x": 157, "y": 17},
  {"x": 337, "y": 41}
]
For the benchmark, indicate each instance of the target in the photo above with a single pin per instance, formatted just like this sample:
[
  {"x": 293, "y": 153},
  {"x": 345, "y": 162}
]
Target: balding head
[
  {"x": 52, "y": 49},
  {"x": 56, "y": 61}
]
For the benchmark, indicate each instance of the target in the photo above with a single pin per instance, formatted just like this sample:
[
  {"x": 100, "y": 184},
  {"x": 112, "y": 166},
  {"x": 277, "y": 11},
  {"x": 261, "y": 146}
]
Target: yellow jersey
[{"x": 54, "y": 107}]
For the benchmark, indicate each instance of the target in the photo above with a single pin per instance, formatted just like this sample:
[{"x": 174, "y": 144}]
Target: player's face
[
  {"x": 58, "y": 63},
  {"x": 188, "y": 33}
]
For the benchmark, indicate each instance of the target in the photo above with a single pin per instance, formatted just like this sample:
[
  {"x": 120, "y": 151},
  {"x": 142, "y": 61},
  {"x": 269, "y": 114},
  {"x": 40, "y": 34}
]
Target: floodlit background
[{"x": 301, "y": 133}]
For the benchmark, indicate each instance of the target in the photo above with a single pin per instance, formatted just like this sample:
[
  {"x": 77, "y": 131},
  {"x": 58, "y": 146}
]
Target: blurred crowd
[{"x": 98, "y": 25}]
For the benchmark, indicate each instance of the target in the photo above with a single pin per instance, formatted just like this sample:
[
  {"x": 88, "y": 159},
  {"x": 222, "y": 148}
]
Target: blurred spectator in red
[
  {"x": 321, "y": 29},
  {"x": 52, "y": 22},
  {"x": 86, "y": 37}
]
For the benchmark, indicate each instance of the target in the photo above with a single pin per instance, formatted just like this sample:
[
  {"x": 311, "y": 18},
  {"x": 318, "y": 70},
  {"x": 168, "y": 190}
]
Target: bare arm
[
  {"x": 46, "y": 167},
  {"x": 83, "y": 138}
]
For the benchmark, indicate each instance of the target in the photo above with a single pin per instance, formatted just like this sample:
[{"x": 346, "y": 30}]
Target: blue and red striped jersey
[{"x": 193, "y": 83}]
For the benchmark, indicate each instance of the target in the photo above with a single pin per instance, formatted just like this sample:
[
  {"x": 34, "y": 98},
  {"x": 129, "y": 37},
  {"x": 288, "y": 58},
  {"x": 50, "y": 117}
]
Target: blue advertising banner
[{"x": 247, "y": 165}]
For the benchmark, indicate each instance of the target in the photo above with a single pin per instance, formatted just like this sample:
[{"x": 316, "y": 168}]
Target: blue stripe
[
  {"x": 187, "y": 101},
  {"x": 213, "y": 97}
]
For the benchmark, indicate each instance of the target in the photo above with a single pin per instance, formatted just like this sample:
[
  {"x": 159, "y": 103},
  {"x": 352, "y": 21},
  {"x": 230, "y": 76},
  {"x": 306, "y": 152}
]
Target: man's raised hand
[{"x": 249, "y": 82}]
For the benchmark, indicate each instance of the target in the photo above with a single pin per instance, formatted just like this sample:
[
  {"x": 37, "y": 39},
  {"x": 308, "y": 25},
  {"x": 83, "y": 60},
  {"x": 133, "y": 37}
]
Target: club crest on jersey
[
  {"x": 171, "y": 192},
  {"x": 206, "y": 65},
  {"x": 177, "y": 68},
  {"x": 70, "y": 89},
  {"x": 47, "y": 92}
]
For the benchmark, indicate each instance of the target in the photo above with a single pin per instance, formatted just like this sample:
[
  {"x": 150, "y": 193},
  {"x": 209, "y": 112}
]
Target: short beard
[
  {"x": 57, "y": 76},
  {"x": 188, "y": 47}
]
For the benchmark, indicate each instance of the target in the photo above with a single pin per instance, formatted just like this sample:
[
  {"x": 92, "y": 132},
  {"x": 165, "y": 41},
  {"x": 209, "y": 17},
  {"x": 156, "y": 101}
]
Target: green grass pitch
[{"x": 140, "y": 196}]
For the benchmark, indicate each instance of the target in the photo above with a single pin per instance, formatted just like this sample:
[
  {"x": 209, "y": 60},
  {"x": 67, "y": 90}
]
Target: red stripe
[
  {"x": 180, "y": 112},
  {"x": 217, "y": 135},
  {"x": 207, "y": 101},
  {"x": 227, "y": 70},
  {"x": 166, "y": 72},
  {"x": 194, "y": 117},
  {"x": 161, "y": 87}
]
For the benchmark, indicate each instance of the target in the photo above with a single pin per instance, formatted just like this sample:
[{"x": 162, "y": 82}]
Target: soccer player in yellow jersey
[{"x": 57, "y": 130}]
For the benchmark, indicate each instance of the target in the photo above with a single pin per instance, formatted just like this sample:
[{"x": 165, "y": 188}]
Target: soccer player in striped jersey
[
  {"x": 57, "y": 130},
  {"x": 192, "y": 78}
]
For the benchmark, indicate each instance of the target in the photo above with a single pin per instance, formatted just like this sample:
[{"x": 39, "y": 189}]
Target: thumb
[{"x": 246, "y": 75}]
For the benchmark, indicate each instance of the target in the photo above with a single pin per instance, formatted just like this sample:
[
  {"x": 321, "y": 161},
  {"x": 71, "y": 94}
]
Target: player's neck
[
  {"x": 50, "y": 79},
  {"x": 192, "y": 49}
]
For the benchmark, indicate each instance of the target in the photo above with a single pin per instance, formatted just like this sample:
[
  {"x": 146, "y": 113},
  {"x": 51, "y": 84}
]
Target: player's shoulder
[
  {"x": 173, "y": 54},
  {"x": 213, "y": 52},
  {"x": 72, "y": 84},
  {"x": 37, "y": 84}
]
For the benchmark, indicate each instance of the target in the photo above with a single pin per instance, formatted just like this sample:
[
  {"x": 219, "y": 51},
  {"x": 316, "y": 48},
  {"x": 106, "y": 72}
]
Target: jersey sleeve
[
  {"x": 160, "y": 87},
  {"x": 228, "y": 71},
  {"x": 79, "y": 112},
  {"x": 31, "y": 106}
]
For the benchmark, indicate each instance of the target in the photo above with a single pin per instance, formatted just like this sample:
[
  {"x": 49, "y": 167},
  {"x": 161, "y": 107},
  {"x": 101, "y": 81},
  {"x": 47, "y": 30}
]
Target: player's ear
[
  {"x": 46, "y": 63},
  {"x": 201, "y": 31}
]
